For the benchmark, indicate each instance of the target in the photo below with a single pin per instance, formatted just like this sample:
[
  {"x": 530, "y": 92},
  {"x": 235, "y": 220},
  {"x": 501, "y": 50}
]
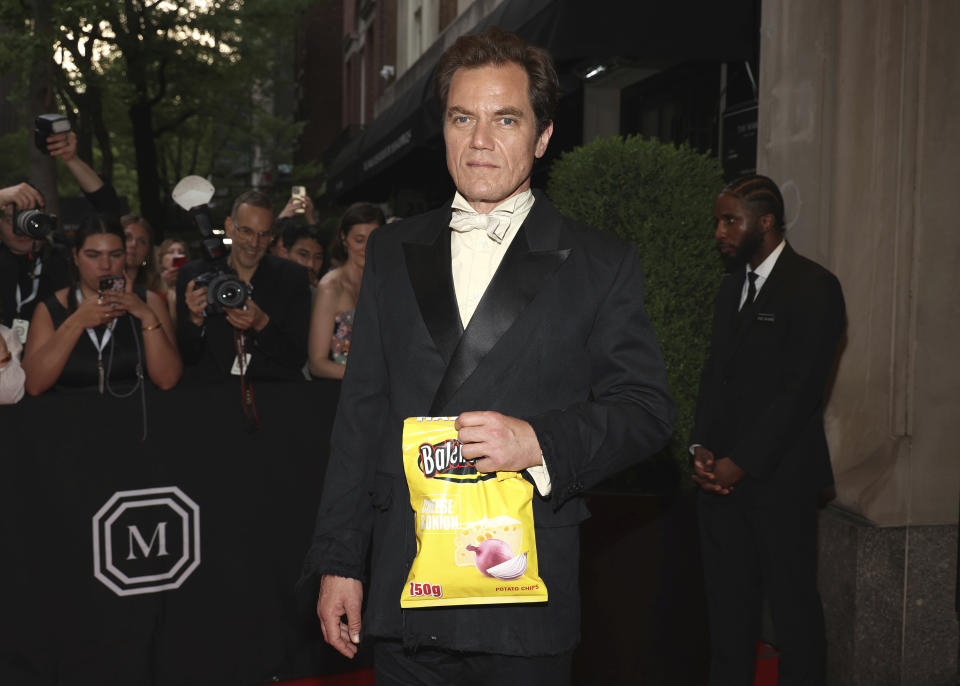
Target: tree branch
[{"x": 159, "y": 131}]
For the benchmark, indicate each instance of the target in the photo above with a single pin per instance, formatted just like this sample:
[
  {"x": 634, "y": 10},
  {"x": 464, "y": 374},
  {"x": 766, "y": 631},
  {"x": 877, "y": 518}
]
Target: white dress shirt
[
  {"x": 478, "y": 243},
  {"x": 762, "y": 271}
]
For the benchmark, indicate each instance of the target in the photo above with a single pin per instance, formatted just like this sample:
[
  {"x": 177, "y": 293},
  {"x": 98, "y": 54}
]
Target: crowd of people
[{"x": 115, "y": 309}]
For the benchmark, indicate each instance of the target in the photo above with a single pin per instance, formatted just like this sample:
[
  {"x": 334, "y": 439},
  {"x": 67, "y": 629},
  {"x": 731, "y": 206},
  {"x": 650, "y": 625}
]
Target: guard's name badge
[
  {"x": 21, "y": 327},
  {"x": 235, "y": 370},
  {"x": 765, "y": 317}
]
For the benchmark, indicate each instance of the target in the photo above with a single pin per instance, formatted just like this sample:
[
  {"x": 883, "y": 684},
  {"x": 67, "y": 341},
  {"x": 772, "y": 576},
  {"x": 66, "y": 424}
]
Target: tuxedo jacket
[
  {"x": 762, "y": 390},
  {"x": 560, "y": 339},
  {"x": 281, "y": 288}
]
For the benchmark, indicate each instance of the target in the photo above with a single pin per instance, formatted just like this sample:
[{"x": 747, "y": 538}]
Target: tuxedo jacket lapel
[
  {"x": 531, "y": 258},
  {"x": 428, "y": 266}
]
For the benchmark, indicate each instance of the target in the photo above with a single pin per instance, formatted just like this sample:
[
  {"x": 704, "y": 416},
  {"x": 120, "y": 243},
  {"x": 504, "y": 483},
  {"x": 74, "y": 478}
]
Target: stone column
[{"x": 860, "y": 124}]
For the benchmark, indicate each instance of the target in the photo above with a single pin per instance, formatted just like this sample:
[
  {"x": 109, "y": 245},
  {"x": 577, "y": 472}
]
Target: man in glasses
[{"x": 265, "y": 337}]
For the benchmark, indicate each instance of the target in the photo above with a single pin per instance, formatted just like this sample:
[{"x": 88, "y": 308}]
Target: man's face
[
  {"x": 491, "y": 134},
  {"x": 250, "y": 231},
  {"x": 738, "y": 232},
  {"x": 309, "y": 253},
  {"x": 17, "y": 244}
]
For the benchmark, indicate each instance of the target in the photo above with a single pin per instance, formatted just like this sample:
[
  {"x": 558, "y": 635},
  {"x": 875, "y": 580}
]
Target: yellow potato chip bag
[{"x": 475, "y": 538}]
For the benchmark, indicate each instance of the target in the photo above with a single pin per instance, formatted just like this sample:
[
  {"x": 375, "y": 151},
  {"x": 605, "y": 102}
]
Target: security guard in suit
[{"x": 759, "y": 447}]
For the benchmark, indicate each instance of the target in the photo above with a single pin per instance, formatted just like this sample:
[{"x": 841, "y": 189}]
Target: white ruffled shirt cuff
[{"x": 541, "y": 477}]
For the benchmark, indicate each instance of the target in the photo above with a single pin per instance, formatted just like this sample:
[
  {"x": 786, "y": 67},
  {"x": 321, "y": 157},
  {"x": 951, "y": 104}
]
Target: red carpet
[{"x": 765, "y": 673}]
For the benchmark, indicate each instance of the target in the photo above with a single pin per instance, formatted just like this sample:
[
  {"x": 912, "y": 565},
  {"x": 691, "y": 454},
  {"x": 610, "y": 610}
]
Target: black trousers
[
  {"x": 395, "y": 666},
  {"x": 758, "y": 545}
]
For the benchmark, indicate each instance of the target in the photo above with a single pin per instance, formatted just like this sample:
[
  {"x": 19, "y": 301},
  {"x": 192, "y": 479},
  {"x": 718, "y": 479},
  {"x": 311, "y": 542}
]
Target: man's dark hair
[
  {"x": 253, "y": 198},
  {"x": 292, "y": 232},
  {"x": 357, "y": 213},
  {"x": 761, "y": 196},
  {"x": 496, "y": 47}
]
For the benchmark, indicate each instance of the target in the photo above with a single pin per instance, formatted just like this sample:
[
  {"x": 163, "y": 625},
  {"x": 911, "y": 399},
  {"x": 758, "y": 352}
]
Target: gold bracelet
[{"x": 158, "y": 325}]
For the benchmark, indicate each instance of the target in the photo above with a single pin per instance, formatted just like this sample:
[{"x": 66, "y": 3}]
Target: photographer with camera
[
  {"x": 249, "y": 315},
  {"x": 30, "y": 268}
]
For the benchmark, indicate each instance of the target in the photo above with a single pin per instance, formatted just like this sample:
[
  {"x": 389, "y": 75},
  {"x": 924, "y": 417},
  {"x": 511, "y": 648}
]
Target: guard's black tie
[
  {"x": 746, "y": 312},
  {"x": 751, "y": 288}
]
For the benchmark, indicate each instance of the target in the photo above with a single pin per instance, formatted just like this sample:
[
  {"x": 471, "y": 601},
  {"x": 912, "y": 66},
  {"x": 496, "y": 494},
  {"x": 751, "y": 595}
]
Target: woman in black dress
[{"x": 84, "y": 337}]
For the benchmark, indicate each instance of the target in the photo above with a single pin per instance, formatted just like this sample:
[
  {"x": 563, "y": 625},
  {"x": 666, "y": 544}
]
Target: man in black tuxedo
[
  {"x": 760, "y": 452},
  {"x": 528, "y": 326}
]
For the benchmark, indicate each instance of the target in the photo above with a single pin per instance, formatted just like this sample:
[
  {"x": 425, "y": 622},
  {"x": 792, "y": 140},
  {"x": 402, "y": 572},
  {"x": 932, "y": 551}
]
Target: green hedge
[{"x": 660, "y": 197}]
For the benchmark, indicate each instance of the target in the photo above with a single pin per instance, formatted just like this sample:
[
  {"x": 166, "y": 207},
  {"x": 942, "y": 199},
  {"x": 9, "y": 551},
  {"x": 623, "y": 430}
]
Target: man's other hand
[
  {"x": 340, "y": 596},
  {"x": 498, "y": 443},
  {"x": 704, "y": 471},
  {"x": 248, "y": 317},
  {"x": 728, "y": 473}
]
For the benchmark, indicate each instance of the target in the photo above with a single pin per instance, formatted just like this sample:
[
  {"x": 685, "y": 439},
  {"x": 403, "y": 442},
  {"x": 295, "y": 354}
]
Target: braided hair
[{"x": 761, "y": 196}]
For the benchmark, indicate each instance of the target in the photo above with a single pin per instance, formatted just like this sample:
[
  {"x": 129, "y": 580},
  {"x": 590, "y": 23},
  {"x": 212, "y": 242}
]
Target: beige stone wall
[{"x": 860, "y": 124}]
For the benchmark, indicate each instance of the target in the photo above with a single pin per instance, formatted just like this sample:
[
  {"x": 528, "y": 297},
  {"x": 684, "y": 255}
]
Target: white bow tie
[{"x": 494, "y": 224}]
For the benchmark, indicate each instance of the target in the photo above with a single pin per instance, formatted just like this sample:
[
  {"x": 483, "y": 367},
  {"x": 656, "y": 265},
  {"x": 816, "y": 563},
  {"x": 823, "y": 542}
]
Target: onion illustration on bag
[{"x": 495, "y": 558}]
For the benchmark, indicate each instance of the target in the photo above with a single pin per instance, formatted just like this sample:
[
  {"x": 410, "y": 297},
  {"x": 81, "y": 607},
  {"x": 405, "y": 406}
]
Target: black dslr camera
[
  {"x": 224, "y": 289},
  {"x": 33, "y": 223}
]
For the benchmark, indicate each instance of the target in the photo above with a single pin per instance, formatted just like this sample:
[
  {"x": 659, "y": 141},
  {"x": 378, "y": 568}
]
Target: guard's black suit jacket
[
  {"x": 762, "y": 389},
  {"x": 281, "y": 288},
  {"x": 560, "y": 338}
]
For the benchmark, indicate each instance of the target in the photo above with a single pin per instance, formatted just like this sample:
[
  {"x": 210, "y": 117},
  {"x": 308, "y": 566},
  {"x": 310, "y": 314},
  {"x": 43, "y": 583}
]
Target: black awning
[
  {"x": 575, "y": 32},
  {"x": 410, "y": 121},
  {"x": 644, "y": 30}
]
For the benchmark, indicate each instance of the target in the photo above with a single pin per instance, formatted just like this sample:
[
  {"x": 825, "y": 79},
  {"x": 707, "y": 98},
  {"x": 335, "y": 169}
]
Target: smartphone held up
[
  {"x": 113, "y": 282},
  {"x": 300, "y": 193}
]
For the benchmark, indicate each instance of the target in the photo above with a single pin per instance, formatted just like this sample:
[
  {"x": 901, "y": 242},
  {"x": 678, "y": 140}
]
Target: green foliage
[
  {"x": 207, "y": 70},
  {"x": 660, "y": 197},
  {"x": 15, "y": 153}
]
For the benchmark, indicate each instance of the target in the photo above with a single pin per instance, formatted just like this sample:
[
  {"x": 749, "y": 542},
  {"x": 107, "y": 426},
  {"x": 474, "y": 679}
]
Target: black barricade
[{"x": 168, "y": 561}]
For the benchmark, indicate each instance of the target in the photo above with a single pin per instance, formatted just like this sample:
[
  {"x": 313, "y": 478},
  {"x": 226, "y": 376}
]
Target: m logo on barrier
[
  {"x": 145, "y": 548},
  {"x": 146, "y": 541}
]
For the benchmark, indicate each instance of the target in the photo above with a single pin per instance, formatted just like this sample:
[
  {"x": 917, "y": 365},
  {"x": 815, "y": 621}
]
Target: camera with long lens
[
  {"x": 33, "y": 223},
  {"x": 224, "y": 289}
]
